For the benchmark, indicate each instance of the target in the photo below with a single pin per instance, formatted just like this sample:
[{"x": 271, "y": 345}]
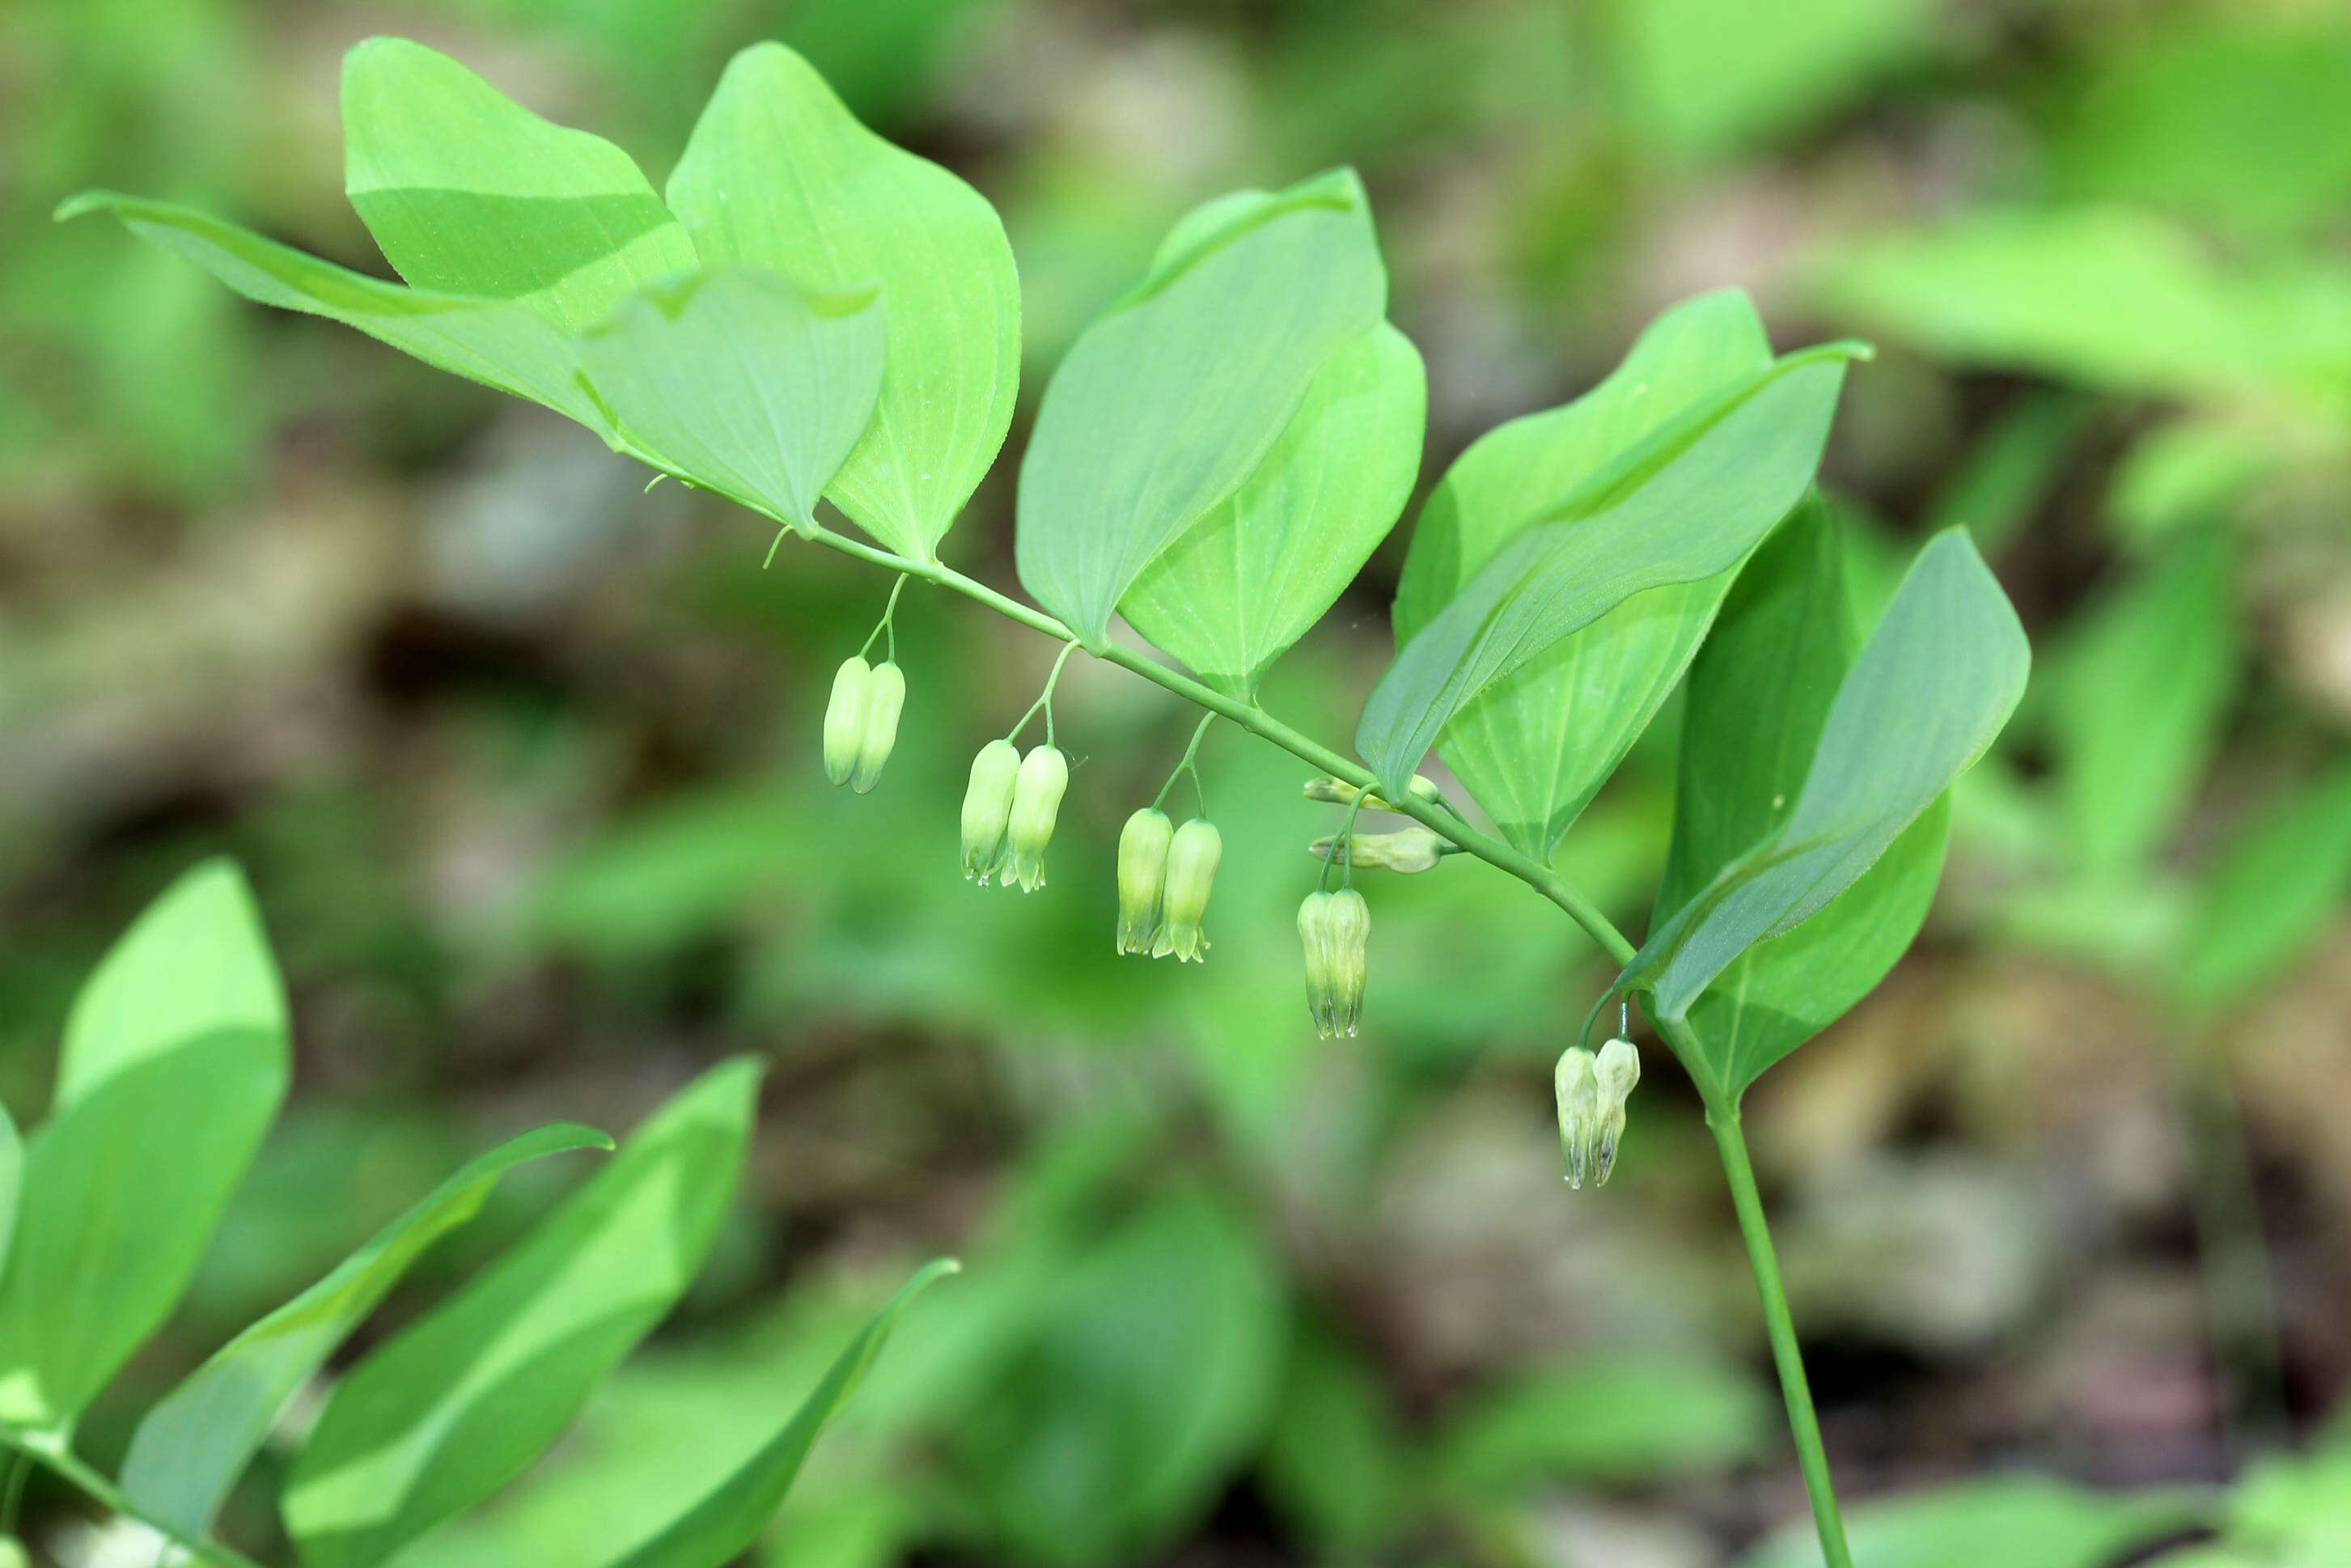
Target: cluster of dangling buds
[
  {"x": 860, "y": 722},
  {"x": 1592, "y": 1092},
  {"x": 1009, "y": 811},
  {"x": 1165, "y": 874},
  {"x": 1336, "y": 926}
]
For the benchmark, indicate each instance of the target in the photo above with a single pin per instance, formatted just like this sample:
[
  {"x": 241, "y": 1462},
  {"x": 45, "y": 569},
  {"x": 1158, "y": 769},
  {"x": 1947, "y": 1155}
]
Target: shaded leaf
[
  {"x": 779, "y": 174},
  {"x": 1618, "y": 1417},
  {"x": 12, "y": 1175},
  {"x": 1248, "y": 580},
  {"x": 1535, "y": 746},
  {"x": 1170, "y": 400},
  {"x": 2271, "y": 895},
  {"x": 724, "y": 1524},
  {"x": 1688, "y": 501},
  {"x": 742, "y": 383},
  {"x": 2017, "y": 1521},
  {"x": 1932, "y": 686},
  {"x": 175, "y": 1061},
  {"x": 189, "y": 1449},
  {"x": 468, "y": 193},
  {"x": 461, "y": 1401}
]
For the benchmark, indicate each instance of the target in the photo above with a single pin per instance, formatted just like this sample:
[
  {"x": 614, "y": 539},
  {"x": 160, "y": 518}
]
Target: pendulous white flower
[
  {"x": 1191, "y": 870},
  {"x": 988, "y": 809},
  {"x": 1336, "y": 928},
  {"x": 844, "y": 718},
  {"x": 1143, "y": 847},
  {"x": 1339, "y": 792},
  {"x": 885, "y": 694},
  {"x": 1412, "y": 850},
  {"x": 1574, "y": 1084},
  {"x": 1035, "y": 802},
  {"x": 1616, "y": 1073}
]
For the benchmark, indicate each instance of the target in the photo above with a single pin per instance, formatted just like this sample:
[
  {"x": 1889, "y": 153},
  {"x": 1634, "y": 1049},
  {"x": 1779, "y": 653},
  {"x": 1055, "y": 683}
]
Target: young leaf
[
  {"x": 1758, "y": 695},
  {"x": 501, "y": 345},
  {"x": 724, "y": 1524},
  {"x": 460, "y": 1402},
  {"x": 1240, "y": 586},
  {"x": 1170, "y": 400},
  {"x": 1534, "y": 746},
  {"x": 779, "y": 174},
  {"x": 188, "y": 1452},
  {"x": 468, "y": 193},
  {"x": 175, "y": 1061},
  {"x": 741, "y": 383},
  {"x": 1933, "y": 685},
  {"x": 1688, "y": 501},
  {"x": 2271, "y": 895}
]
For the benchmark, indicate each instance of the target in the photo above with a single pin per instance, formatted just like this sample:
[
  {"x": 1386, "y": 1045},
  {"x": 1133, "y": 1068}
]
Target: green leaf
[
  {"x": 2271, "y": 895},
  {"x": 779, "y": 174},
  {"x": 1710, "y": 76},
  {"x": 1169, "y": 400},
  {"x": 188, "y": 1452},
  {"x": 501, "y": 345},
  {"x": 2017, "y": 1521},
  {"x": 1534, "y": 746},
  {"x": 468, "y": 193},
  {"x": 12, "y": 1176},
  {"x": 1617, "y": 1417},
  {"x": 724, "y": 1524},
  {"x": 463, "y": 1399},
  {"x": 1239, "y": 586},
  {"x": 1933, "y": 685},
  {"x": 1758, "y": 695},
  {"x": 1689, "y": 500},
  {"x": 175, "y": 1061},
  {"x": 742, "y": 383},
  {"x": 2138, "y": 695}
]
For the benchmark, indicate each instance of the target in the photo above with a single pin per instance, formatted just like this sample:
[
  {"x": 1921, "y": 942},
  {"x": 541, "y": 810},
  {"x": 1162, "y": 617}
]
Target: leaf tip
[{"x": 82, "y": 202}]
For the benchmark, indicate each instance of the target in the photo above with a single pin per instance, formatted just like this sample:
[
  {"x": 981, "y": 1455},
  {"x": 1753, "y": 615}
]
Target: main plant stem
[
  {"x": 60, "y": 1462},
  {"x": 1802, "y": 1424}
]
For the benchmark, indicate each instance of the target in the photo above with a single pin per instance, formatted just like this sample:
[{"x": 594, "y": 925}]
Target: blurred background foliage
[{"x": 522, "y": 761}]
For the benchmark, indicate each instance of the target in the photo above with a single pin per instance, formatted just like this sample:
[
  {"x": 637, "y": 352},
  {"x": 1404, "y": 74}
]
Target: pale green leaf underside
[
  {"x": 731, "y": 1517},
  {"x": 1168, "y": 402},
  {"x": 743, "y": 382},
  {"x": 779, "y": 174},
  {"x": 468, "y": 193},
  {"x": 191, "y": 1447},
  {"x": 1534, "y": 746},
  {"x": 463, "y": 1400},
  {"x": 1687, "y": 502},
  {"x": 1240, "y": 586},
  {"x": 1933, "y": 685}
]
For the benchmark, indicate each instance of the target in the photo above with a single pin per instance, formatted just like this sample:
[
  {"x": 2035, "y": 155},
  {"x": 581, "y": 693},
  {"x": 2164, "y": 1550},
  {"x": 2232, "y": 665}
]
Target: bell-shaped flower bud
[
  {"x": 988, "y": 809},
  {"x": 885, "y": 694},
  {"x": 1191, "y": 869},
  {"x": 844, "y": 718},
  {"x": 1412, "y": 850},
  {"x": 1575, "y": 1084},
  {"x": 1336, "y": 928},
  {"x": 1614, "y": 1075},
  {"x": 1142, "y": 846},
  {"x": 1339, "y": 792},
  {"x": 1036, "y": 802}
]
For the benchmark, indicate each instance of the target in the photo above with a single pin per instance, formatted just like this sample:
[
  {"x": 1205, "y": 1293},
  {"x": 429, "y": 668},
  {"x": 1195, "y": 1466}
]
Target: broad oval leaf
[
  {"x": 779, "y": 174},
  {"x": 174, "y": 1064},
  {"x": 505, "y": 346},
  {"x": 1932, "y": 686},
  {"x": 724, "y": 1524},
  {"x": 461, "y": 1401},
  {"x": 1689, "y": 500},
  {"x": 741, "y": 382},
  {"x": 468, "y": 193},
  {"x": 1758, "y": 695},
  {"x": 1170, "y": 400},
  {"x": 1535, "y": 746},
  {"x": 189, "y": 1449},
  {"x": 1236, "y": 589}
]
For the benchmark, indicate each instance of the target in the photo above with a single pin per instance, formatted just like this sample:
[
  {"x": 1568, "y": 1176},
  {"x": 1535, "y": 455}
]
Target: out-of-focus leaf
[
  {"x": 2271, "y": 895},
  {"x": 2003, "y": 479},
  {"x": 1930, "y": 690},
  {"x": 2295, "y": 1508},
  {"x": 1686, "y": 502},
  {"x": 1534, "y": 746},
  {"x": 2139, "y": 694},
  {"x": 468, "y": 193},
  {"x": 1337, "y": 1460},
  {"x": 11, "y": 1174},
  {"x": 1609, "y": 1418},
  {"x": 724, "y": 1523},
  {"x": 1240, "y": 586},
  {"x": 743, "y": 383},
  {"x": 461, "y": 1401},
  {"x": 779, "y": 174},
  {"x": 2020, "y": 1521},
  {"x": 1169, "y": 400},
  {"x": 501, "y": 345},
  {"x": 188, "y": 1452},
  {"x": 1709, "y": 74},
  {"x": 175, "y": 1061}
]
